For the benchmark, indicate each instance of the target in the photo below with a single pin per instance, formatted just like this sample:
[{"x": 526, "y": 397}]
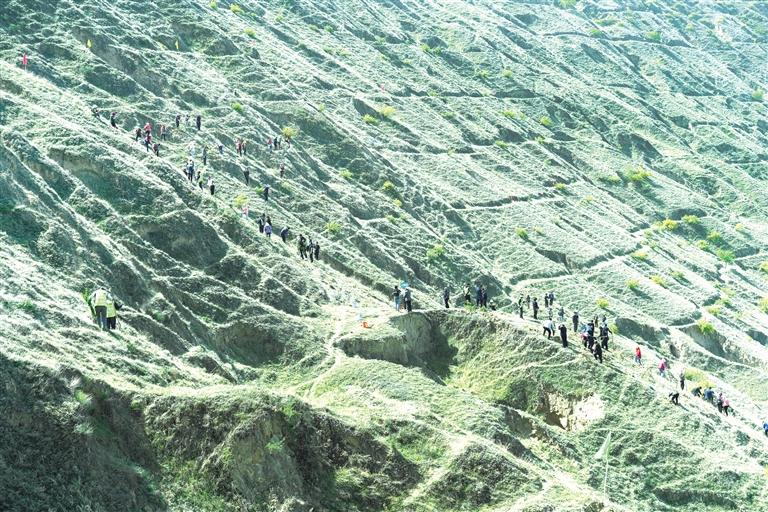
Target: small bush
[
  {"x": 321, "y": 107},
  {"x": 763, "y": 267},
  {"x": 610, "y": 179},
  {"x": 328, "y": 29},
  {"x": 560, "y": 186},
  {"x": 333, "y": 227},
  {"x": 392, "y": 219},
  {"x": 289, "y": 132},
  {"x": 427, "y": 49},
  {"x": 237, "y": 107},
  {"x": 595, "y": 32},
  {"x": 500, "y": 144},
  {"x": 715, "y": 237},
  {"x": 659, "y": 280},
  {"x": 482, "y": 74},
  {"x": 369, "y": 119},
  {"x": 705, "y": 326},
  {"x": 509, "y": 114},
  {"x": 667, "y": 225},
  {"x": 739, "y": 227},
  {"x": 633, "y": 284},
  {"x": 763, "y": 304},
  {"x": 758, "y": 94},
  {"x": 240, "y": 201},
  {"x": 602, "y": 303},
  {"x": 639, "y": 255},
  {"x": 448, "y": 114},
  {"x": 653, "y": 35},
  {"x": 715, "y": 310},
  {"x": 567, "y": 4},
  {"x": 213, "y": 4},
  {"x": 638, "y": 174},
  {"x": 389, "y": 188},
  {"x": 726, "y": 255},
  {"x": 677, "y": 275},
  {"x": 346, "y": 174},
  {"x": 436, "y": 252},
  {"x": 606, "y": 22},
  {"x": 275, "y": 445},
  {"x": 691, "y": 220},
  {"x": 250, "y": 32},
  {"x": 386, "y": 111},
  {"x": 545, "y": 121},
  {"x": 703, "y": 245},
  {"x": 522, "y": 233},
  {"x": 235, "y": 8},
  {"x": 507, "y": 73},
  {"x": 397, "y": 203}
]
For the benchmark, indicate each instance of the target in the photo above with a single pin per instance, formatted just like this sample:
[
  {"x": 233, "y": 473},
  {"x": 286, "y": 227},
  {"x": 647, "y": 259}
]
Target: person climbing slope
[
  {"x": 112, "y": 307},
  {"x": 638, "y": 355},
  {"x": 266, "y": 192},
  {"x": 575, "y": 319},
  {"x": 598, "y": 352},
  {"x": 535, "y": 309},
  {"x": 302, "y": 247},
  {"x": 113, "y": 120},
  {"x": 408, "y": 299},
  {"x": 211, "y": 185},
  {"x": 396, "y": 297},
  {"x": 98, "y": 301},
  {"x": 268, "y": 230},
  {"x": 284, "y": 234},
  {"x": 198, "y": 121},
  {"x": 675, "y": 397},
  {"x": 564, "y": 335},
  {"x": 317, "y": 250},
  {"x": 549, "y": 328},
  {"x": 447, "y": 297},
  {"x": 205, "y": 155}
]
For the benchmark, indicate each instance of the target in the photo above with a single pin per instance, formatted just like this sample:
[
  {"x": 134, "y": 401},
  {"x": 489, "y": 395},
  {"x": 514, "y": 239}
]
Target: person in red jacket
[{"x": 638, "y": 355}]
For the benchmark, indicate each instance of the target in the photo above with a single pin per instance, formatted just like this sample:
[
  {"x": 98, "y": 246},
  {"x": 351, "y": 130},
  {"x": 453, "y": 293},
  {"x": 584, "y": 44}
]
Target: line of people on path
[
  {"x": 708, "y": 395},
  {"x": 309, "y": 249},
  {"x": 104, "y": 308},
  {"x": 403, "y": 298}
]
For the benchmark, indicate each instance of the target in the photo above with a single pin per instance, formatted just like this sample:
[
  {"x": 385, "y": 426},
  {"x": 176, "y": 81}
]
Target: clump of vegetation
[
  {"x": 333, "y": 227},
  {"x": 522, "y": 233},
  {"x": 275, "y": 445},
  {"x": 667, "y": 225},
  {"x": 436, "y": 252},
  {"x": 559, "y": 186},
  {"x": 392, "y": 219},
  {"x": 691, "y": 220},
  {"x": 346, "y": 174},
  {"x": 397, "y": 203},
  {"x": 369, "y": 119},
  {"x": 633, "y": 284},
  {"x": 602, "y": 303},
  {"x": 714, "y": 310},
  {"x": 653, "y": 35},
  {"x": 610, "y": 179},
  {"x": 659, "y": 280},
  {"x": 289, "y": 132},
  {"x": 389, "y": 188},
  {"x": 483, "y": 74},
  {"x": 235, "y": 8},
  {"x": 739, "y": 227},
  {"x": 595, "y": 32},
  {"x": 606, "y": 21},
  {"x": 427, "y": 49},
  {"x": 763, "y": 304},
  {"x": 698, "y": 376},
  {"x": 448, "y": 114},
  {"x": 758, "y": 94},
  {"x": 509, "y": 114},
  {"x": 386, "y": 111},
  {"x": 328, "y": 29},
  {"x": 213, "y": 4},
  {"x": 500, "y": 144},
  {"x": 705, "y": 326},
  {"x": 237, "y": 107},
  {"x": 763, "y": 267},
  {"x": 638, "y": 174},
  {"x": 240, "y": 201},
  {"x": 703, "y": 245},
  {"x": 567, "y": 4},
  {"x": 725, "y": 255},
  {"x": 250, "y": 32},
  {"x": 639, "y": 255},
  {"x": 715, "y": 237},
  {"x": 507, "y": 73},
  {"x": 677, "y": 275},
  {"x": 545, "y": 121}
]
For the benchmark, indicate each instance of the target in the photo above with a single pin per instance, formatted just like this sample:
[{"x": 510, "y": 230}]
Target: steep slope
[{"x": 611, "y": 152}]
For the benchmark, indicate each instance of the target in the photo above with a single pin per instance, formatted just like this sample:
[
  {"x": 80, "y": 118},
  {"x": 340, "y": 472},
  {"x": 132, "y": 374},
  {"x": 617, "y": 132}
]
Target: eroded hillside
[{"x": 613, "y": 152}]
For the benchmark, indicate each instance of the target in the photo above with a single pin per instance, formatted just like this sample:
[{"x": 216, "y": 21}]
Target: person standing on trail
[
  {"x": 467, "y": 295},
  {"x": 112, "y": 307},
  {"x": 396, "y": 297},
  {"x": 137, "y": 134},
  {"x": 239, "y": 147},
  {"x": 317, "y": 250},
  {"x": 247, "y": 177},
  {"x": 535, "y": 309},
  {"x": 269, "y": 144},
  {"x": 311, "y": 251},
  {"x": 551, "y": 298},
  {"x": 98, "y": 301},
  {"x": 148, "y": 141},
  {"x": 528, "y": 301},
  {"x": 575, "y": 319},
  {"x": 205, "y": 155},
  {"x": 604, "y": 331},
  {"x": 163, "y": 132},
  {"x": 198, "y": 121},
  {"x": 638, "y": 355},
  {"x": 24, "y": 61},
  {"x": 682, "y": 380},
  {"x": 246, "y": 211},
  {"x": 243, "y": 147},
  {"x": 546, "y": 300},
  {"x": 485, "y": 297},
  {"x": 302, "y": 247},
  {"x": 282, "y": 169},
  {"x": 221, "y": 148},
  {"x": 720, "y": 402},
  {"x": 266, "y": 192},
  {"x": 147, "y": 128},
  {"x": 549, "y": 328},
  {"x": 211, "y": 186},
  {"x": 447, "y": 297},
  {"x": 200, "y": 181},
  {"x": 156, "y": 149},
  {"x": 591, "y": 336},
  {"x": 561, "y": 315},
  {"x": 178, "y": 120},
  {"x": 407, "y": 298},
  {"x": 598, "y": 352},
  {"x": 284, "y": 234},
  {"x": 564, "y": 335},
  {"x": 663, "y": 367},
  {"x": 268, "y": 230},
  {"x": 478, "y": 295},
  {"x": 726, "y": 406},
  {"x": 113, "y": 120},
  {"x": 261, "y": 223}
]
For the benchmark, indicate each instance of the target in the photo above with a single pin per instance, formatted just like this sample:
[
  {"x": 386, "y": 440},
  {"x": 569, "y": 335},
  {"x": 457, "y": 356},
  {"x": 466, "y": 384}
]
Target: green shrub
[
  {"x": 610, "y": 179},
  {"x": 427, "y": 49},
  {"x": 240, "y": 201},
  {"x": 667, "y": 225},
  {"x": 633, "y": 284},
  {"x": 714, "y": 310},
  {"x": 545, "y": 121},
  {"x": 638, "y": 174},
  {"x": 758, "y": 94},
  {"x": 559, "y": 186},
  {"x": 436, "y": 252},
  {"x": 507, "y": 73},
  {"x": 28, "y": 306},
  {"x": 328, "y": 29},
  {"x": 279, "y": 18},
  {"x": 386, "y": 111},
  {"x": 346, "y": 174},
  {"x": 653, "y": 35},
  {"x": 448, "y": 114},
  {"x": 677, "y": 275},
  {"x": 715, "y": 237},
  {"x": 275, "y": 445},
  {"x": 566, "y": 4},
  {"x": 369, "y": 119},
  {"x": 237, "y": 107},
  {"x": 321, "y": 107},
  {"x": 703, "y": 245},
  {"x": 595, "y": 32},
  {"x": 392, "y": 219},
  {"x": 763, "y": 304},
  {"x": 482, "y": 74},
  {"x": 659, "y": 280},
  {"x": 333, "y": 227},
  {"x": 606, "y": 21},
  {"x": 726, "y": 255},
  {"x": 500, "y": 144},
  {"x": 213, "y": 4},
  {"x": 397, "y": 203},
  {"x": 389, "y": 188},
  {"x": 522, "y": 233},
  {"x": 639, "y": 255},
  {"x": 705, "y": 326},
  {"x": 250, "y": 32},
  {"x": 289, "y": 132},
  {"x": 509, "y": 114},
  {"x": 235, "y": 8},
  {"x": 739, "y": 227},
  {"x": 602, "y": 303},
  {"x": 691, "y": 220},
  {"x": 763, "y": 267}
]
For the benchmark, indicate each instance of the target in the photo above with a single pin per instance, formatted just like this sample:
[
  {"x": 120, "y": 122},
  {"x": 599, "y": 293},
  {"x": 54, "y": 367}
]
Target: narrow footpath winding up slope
[{"x": 613, "y": 152}]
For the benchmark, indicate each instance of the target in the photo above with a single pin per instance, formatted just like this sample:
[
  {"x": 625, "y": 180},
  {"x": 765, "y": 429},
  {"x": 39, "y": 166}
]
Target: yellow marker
[
  {"x": 89, "y": 43},
  {"x": 177, "y": 44}
]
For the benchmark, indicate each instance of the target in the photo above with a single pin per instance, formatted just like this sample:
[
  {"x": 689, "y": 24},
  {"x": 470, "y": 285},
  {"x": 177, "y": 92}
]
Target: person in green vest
[
  {"x": 98, "y": 301},
  {"x": 111, "y": 314}
]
